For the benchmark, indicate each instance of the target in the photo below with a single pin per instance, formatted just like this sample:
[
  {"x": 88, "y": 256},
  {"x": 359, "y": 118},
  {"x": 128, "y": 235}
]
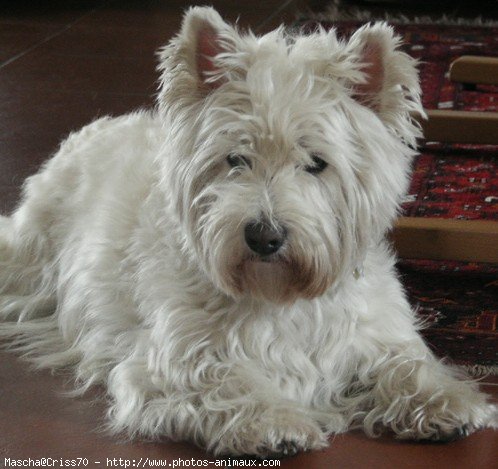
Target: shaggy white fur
[{"x": 220, "y": 264}]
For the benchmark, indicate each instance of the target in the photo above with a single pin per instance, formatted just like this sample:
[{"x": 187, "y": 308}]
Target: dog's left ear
[{"x": 389, "y": 76}]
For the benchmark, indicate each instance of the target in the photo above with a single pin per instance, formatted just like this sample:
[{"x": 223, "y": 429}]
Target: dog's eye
[
  {"x": 318, "y": 165},
  {"x": 238, "y": 161}
]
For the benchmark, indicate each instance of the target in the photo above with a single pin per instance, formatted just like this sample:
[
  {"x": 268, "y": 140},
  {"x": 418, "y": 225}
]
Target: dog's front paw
[
  {"x": 448, "y": 419},
  {"x": 446, "y": 435},
  {"x": 274, "y": 433},
  {"x": 281, "y": 441}
]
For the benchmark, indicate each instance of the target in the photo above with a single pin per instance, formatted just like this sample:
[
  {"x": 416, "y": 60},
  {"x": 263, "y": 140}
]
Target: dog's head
[{"x": 288, "y": 154}]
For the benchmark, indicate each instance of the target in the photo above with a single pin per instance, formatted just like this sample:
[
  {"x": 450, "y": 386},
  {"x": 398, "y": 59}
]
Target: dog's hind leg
[
  {"x": 58, "y": 204},
  {"x": 26, "y": 269}
]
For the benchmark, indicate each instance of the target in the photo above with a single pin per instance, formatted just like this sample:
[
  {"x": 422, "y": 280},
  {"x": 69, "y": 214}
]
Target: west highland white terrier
[{"x": 219, "y": 264}]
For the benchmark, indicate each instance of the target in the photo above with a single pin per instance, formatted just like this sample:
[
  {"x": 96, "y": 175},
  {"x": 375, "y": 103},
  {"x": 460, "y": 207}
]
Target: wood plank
[
  {"x": 474, "y": 69},
  {"x": 444, "y": 239},
  {"x": 461, "y": 126}
]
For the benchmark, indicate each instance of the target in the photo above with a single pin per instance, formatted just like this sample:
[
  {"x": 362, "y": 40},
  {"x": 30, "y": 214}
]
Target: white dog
[{"x": 219, "y": 264}]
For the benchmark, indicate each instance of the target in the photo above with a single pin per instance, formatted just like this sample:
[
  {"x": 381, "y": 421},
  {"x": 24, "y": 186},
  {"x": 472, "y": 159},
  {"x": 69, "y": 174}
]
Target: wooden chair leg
[
  {"x": 443, "y": 239},
  {"x": 473, "y": 69},
  {"x": 461, "y": 127}
]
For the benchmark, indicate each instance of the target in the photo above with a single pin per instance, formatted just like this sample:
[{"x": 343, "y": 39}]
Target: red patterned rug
[{"x": 459, "y": 301}]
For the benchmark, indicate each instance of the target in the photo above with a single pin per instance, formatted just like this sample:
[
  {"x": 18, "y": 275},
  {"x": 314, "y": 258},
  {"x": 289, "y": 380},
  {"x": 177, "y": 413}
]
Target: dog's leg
[
  {"x": 419, "y": 397},
  {"x": 216, "y": 406},
  {"x": 25, "y": 269},
  {"x": 399, "y": 384}
]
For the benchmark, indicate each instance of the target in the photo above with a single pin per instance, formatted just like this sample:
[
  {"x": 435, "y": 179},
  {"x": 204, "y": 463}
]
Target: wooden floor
[{"x": 62, "y": 64}]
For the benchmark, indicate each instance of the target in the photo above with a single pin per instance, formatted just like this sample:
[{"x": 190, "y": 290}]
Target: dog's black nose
[{"x": 264, "y": 239}]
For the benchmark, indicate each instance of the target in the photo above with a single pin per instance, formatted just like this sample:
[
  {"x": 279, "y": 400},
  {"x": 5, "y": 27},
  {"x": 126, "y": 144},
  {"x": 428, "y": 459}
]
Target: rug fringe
[
  {"x": 335, "y": 12},
  {"x": 480, "y": 371}
]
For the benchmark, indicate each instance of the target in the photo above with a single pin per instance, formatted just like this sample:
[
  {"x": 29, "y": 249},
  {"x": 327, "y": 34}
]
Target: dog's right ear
[
  {"x": 191, "y": 56},
  {"x": 205, "y": 27}
]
